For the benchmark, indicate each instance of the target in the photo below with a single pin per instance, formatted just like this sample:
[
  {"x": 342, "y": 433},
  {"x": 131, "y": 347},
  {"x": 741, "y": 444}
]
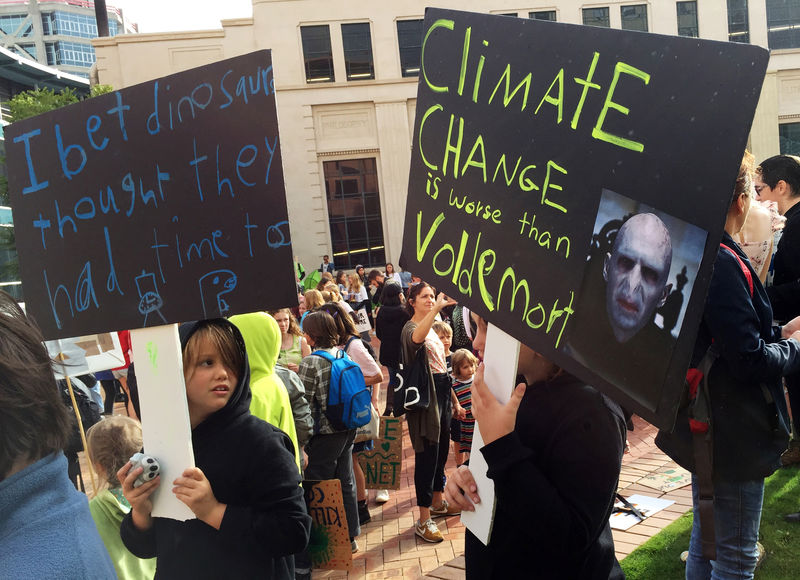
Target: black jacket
[
  {"x": 388, "y": 326},
  {"x": 555, "y": 477},
  {"x": 250, "y": 465},
  {"x": 784, "y": 294},
  {"x": 749, "y": 433}
]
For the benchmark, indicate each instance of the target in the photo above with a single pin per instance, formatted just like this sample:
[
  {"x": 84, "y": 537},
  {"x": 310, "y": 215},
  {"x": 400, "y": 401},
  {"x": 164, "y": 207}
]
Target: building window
[
  {"x": 27, "y": 50},
  {"x": 738, "y": 21},
  {"x": 634, "y": 17},
  {"x": 354, "y": 213},
  {"x": 596, "y": 17},
  {"x": 543, "y": 15},
  {"x": 687, "y": 19},
  {"x": 514, "y": 14},
  {"x": 789, "y": 135},
  {"x": 16, "y": 25},
  {"x": 357, "y": 43},
  {"x": 317, "y": 53},
  {"x": 783, "y": 23},
  {"x": 409, "y": 39}
]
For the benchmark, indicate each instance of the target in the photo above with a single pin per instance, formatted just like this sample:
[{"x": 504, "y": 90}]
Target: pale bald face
[{"x": 636, "y": 273}]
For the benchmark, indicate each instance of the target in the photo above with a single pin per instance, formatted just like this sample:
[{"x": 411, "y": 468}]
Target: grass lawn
[{"x": 659, "y": 557}]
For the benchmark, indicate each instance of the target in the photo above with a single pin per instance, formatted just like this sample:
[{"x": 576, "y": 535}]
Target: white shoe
[{"x": 382, "y": 496}]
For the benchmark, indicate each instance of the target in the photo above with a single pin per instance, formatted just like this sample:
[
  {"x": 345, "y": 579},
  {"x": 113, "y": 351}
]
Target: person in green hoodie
[
  {"x": 111, "y": 443},
  {"x": 270, "y": 402}
]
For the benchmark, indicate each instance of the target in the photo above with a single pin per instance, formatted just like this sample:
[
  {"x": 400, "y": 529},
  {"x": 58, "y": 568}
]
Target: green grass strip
[{"x": 659, "y": 557}]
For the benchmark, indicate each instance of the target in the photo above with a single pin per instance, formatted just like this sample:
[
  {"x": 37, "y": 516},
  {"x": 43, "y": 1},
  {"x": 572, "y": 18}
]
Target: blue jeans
[{"x": 737, "y": 516}]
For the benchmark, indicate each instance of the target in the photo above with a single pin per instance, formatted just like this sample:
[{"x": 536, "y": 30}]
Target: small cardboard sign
[
  {"x": 329, "y": 545},
  {"x": 382, "y": 464},
  {"x": 86, "y": 354}
]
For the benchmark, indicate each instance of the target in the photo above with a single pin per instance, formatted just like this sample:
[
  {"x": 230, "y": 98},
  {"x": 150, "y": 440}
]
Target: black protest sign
[
  {"x": 570, "y": 184},
  {"x": 329, "y": 545},
  {"x": 383, "y": 463},
  {"x": 158, "y": 203}
]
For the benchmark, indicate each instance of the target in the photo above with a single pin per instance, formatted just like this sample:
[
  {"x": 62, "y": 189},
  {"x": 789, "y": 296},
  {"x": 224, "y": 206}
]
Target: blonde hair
[
  {"x": 111, "y": 443},
  {"x": 462, "y": 356},
  {"x": 333, "y": 290},
  {"x": 313, "y": 299},
  {"x": 440, "y": 327},
  {"x": 355, "y": 283}
]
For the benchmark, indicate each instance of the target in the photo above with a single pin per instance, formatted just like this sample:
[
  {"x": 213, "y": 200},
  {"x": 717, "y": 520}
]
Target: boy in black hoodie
[{"x": 245, "y": 490}]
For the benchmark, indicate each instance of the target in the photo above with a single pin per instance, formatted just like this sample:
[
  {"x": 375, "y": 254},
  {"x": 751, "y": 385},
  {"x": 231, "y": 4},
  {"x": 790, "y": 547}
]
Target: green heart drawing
[{"x": 386, "y": 446}]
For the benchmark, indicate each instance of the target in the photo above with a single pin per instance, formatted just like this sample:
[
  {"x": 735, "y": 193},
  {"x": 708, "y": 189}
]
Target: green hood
[{"x": 262, "y": 337}]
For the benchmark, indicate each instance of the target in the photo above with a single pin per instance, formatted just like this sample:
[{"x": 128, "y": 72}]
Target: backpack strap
[
  {"x": 702, "y": 444},
  {"x": 349, "y": 340},
  {"x": 327, "y": 356},
  {"x": 742, "y": 265}
]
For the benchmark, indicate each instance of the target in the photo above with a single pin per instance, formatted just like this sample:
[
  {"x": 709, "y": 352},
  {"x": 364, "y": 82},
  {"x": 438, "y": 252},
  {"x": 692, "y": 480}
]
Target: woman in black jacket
[
  {"x": 749, "y": 429},
  {"x": 389, "y": 323}
]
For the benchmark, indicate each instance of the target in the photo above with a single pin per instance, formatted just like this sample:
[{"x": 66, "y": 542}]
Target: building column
[{"x": 394, "y": 134}]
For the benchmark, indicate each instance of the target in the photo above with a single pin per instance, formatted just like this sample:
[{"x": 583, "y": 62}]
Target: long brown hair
[{"x": 294, "y": 328}]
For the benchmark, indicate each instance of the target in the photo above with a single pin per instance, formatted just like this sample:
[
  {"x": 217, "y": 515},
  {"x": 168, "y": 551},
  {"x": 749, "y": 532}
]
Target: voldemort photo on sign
[{"x": 640, "y": 269}]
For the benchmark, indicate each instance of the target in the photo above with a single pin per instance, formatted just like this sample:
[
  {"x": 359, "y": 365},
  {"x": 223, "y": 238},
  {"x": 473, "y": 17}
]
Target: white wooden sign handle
[
  {"x": 500, "y": 358},
  {"x": 167, "y": 433}
]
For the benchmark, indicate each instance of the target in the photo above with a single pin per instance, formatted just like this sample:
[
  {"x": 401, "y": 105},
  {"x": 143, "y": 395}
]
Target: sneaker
[
  {"x": 382, "y": 496},
  {"x": 792, "y": 454},
  {"x": 428, "y": 531},
  {"x": 353, "y": 546},
  {"x": 684, "y": 556},
  {"x": 761, "y": 553},
  {"x": 444, "y": 510}
]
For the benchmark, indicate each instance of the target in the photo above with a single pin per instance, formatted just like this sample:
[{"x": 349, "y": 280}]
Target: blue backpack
[{"x": 349, "y": 404}]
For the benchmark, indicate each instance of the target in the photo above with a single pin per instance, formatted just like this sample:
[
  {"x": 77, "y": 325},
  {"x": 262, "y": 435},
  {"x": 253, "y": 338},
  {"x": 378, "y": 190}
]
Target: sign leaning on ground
[
  {"x": 158, "y": 203},
  {"x": 537, "y": 146},
  {"x": 384, "y": 462}
]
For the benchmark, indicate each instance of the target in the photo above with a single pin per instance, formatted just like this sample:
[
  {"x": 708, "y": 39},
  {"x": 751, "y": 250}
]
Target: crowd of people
[{"x": 257, "y": 390}]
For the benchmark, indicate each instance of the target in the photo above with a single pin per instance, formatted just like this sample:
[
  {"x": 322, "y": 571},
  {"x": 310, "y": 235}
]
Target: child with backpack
[
  {"x": 111, "y": 443},
  {"x": 331, "y": 447},
  {"x": 358, "y": 350},
  {"x": 245, "y": 489}
]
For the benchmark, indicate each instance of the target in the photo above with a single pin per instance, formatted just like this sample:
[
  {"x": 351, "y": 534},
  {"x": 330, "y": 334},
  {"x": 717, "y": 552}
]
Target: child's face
[
  {"x": 465, "y": 371},
  {"x": 209, "y": 383},
  {"x": 282, "y": 319},
  {"x": 447, "y": 341}
]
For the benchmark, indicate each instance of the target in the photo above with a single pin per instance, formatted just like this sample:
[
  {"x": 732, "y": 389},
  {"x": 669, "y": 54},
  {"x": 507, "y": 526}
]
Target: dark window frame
[
  {"x": 686, "y": 11},
  {"x": 594, "y": 15},
  {"x": 410, "y": 51},
  {"x": 543, "y": 15},
  {"x": 640, "y": 10},
  {"x": 359, "y": 63},
  {"x": 738, "y": 21},
  {"x": 318, "y": 60},
  {"x": 354, "y": 212}
]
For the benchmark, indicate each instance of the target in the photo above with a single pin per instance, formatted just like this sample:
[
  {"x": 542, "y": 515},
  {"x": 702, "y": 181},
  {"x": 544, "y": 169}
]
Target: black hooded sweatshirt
[{"x": 250, "y": 465}]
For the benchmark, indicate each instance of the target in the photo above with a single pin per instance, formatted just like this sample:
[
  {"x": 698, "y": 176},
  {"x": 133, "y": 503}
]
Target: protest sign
[
  {"x": 329, "y": 545},
  {"x": 85, "y": 354},
  {"x": 534, "y": 143},
  {"x": 162, "y": 202},
  {"x": 384, "y": 462}
]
